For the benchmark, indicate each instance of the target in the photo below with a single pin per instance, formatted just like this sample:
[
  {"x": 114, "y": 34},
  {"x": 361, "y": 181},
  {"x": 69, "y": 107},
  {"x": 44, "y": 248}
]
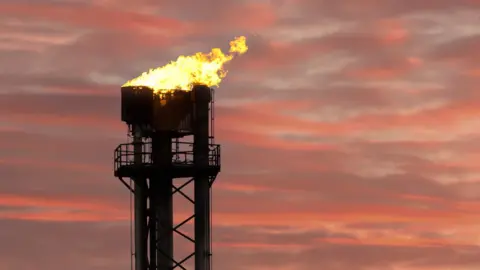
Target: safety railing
[{"x": 125, "y": 155}]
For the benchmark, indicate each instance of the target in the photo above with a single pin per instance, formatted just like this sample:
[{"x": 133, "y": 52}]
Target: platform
[
  {"x": 182, "y": 164},
  {"x": 174, "y": 171}
]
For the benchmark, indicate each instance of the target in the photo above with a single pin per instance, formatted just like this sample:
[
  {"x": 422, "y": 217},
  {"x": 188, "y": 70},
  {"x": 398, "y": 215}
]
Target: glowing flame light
[{"x": 186, "y": 71}]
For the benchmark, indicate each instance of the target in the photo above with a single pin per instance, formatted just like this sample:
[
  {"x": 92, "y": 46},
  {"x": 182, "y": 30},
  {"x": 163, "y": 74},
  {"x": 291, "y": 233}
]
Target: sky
[{"x": 350, "y": 130}]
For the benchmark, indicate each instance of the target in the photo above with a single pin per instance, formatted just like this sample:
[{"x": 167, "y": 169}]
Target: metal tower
[{"x": 172, "y": 137}]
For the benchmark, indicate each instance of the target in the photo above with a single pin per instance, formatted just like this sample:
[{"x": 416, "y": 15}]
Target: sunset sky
[{"x": 350, "y": 130}]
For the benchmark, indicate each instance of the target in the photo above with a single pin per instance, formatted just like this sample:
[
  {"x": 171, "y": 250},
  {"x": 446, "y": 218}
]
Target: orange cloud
[
  {"x": 60, "y": 210},
  {"x": 85, "y": 122}
]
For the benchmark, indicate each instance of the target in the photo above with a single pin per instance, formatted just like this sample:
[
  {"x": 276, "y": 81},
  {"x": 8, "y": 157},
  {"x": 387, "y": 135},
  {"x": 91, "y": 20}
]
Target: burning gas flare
[{"x": 186, "y": 71}]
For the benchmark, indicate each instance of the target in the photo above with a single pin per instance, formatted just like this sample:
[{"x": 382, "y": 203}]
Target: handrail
[{"x": 124, "y": 155}]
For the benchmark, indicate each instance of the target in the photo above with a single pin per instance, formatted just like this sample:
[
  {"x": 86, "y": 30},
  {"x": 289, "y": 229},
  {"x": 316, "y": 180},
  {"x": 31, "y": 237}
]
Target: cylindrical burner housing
[
  {"x": 201, "y": 93},
  {"x": 172, "y": 112},
  {"x": 137, "y": 105}
]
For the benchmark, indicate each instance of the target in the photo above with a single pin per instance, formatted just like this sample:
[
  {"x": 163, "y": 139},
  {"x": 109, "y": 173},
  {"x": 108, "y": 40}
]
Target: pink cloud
[{"x": 97, "y": 17}]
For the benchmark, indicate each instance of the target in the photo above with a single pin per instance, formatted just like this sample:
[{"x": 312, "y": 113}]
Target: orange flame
[{"x": 186, "y": 71}]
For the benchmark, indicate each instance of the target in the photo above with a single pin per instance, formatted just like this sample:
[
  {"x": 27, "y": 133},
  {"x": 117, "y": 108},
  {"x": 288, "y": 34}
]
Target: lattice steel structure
[{"x": 172, "y": 137}]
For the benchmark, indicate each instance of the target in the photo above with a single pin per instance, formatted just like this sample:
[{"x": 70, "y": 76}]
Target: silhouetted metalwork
[{"x": 172, "y": 137}]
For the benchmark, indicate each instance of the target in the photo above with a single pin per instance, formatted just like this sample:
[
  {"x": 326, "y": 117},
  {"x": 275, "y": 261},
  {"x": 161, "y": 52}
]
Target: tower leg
[
  {"x": 202, "y": 224},
  {"x": 140, "y": 209},
  {"x": 153, "y": 221},
  {"x": 202, "y": 186},
  {"x": 162, "y": 155},
  {"x": 165, "y": 225}
]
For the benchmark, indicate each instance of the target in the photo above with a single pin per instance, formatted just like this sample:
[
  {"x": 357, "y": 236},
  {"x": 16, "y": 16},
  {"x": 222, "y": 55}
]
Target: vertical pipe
[
  {"x": 162, "y": 157},
  {"x": 153, "y": 222},
  {"x": 202, "y": 188},
  {"x": 140, "y": 206},
  {"x": 211, "y": 141},
  {"x": 165, "y": 226}
]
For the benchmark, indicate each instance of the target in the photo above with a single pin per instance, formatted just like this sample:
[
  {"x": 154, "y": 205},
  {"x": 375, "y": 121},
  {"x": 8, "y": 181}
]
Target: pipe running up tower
[{"x": 172, "y": 137}]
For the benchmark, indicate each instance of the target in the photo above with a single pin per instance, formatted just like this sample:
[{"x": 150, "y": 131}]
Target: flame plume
[{"x": 186, "y": 71}]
